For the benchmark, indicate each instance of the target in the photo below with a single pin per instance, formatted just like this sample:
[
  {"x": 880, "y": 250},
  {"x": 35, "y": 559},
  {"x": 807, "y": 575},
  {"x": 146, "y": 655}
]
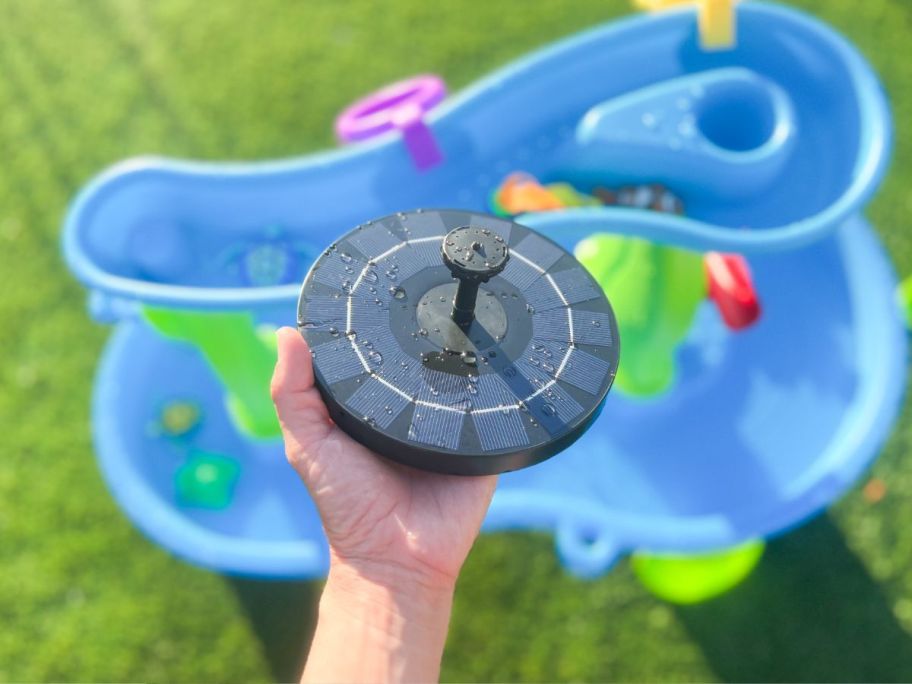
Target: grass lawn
[{"x": 83, "y": 596}]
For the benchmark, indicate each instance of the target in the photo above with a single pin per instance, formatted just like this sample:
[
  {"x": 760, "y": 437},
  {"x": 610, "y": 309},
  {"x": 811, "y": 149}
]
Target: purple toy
[{"x": 399, "y": 106}]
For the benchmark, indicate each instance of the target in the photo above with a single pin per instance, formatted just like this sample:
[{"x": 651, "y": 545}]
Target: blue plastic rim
[{"x": 761, "y": 430}]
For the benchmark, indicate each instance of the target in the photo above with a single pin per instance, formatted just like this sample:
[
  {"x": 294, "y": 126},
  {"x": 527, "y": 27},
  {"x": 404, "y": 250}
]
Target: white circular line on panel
[{"x": 420, "y": 402}]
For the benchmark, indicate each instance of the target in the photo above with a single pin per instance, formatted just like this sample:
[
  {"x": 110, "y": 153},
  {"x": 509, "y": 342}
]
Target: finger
[
  {"x": 294, "y": 368},
  {"x": 300, "y": 408}
]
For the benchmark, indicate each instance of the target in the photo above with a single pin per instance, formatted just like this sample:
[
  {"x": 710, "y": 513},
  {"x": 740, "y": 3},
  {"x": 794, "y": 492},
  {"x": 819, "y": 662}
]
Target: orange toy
[{"x": 521, "y": 193}]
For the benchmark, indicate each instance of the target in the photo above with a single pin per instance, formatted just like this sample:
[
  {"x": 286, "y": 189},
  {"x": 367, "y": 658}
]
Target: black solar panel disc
[{"x": 457, "y": 342}]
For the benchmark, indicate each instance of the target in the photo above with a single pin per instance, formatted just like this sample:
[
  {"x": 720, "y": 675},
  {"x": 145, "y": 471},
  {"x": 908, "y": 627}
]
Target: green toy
[
  {"x": 655, "y": 291},
  {"x": 207, "y": 480},
  {"x": 905, "y": 299},
  {"x": 571, "y": 197},
  {"x": 242, "y": 356},
  {"x": 691, "y": 579}
]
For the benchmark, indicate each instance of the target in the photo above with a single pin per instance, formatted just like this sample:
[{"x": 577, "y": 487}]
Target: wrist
[
  {"x": 349, "y": 572},
  {"x": 391, "y": 622}
]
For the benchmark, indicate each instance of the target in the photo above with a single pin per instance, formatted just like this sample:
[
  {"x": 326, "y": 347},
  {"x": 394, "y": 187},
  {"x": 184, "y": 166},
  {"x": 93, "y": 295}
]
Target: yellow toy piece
[{"x": 715, "y": 19}]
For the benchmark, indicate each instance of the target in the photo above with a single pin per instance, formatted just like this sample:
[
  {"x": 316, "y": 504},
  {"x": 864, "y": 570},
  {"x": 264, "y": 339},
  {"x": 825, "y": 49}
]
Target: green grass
[{"x": 83, "y": 596}]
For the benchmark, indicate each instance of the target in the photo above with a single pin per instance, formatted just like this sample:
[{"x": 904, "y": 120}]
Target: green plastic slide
[{"x": 241, "y": 356}]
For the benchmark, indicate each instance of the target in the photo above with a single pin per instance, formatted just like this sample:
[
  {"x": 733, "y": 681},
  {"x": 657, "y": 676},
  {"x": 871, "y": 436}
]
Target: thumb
[{"x": 301, "y": 410}]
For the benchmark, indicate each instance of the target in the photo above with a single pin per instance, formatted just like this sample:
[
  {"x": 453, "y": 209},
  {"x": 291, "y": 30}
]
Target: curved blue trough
[{"x": 774, "y": 147}]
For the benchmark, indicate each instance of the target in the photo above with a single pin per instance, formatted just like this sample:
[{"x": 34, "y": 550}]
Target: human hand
[
  {"x": 397, "y": 536},
  {"x": 377, "y": 514}
]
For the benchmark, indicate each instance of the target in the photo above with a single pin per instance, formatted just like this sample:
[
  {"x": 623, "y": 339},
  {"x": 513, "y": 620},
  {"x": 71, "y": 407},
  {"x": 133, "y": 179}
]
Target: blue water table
[{"x": 769, "y": 129}]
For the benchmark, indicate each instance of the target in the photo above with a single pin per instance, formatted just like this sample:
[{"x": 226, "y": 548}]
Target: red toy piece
[{"x": 732, "y": 289}]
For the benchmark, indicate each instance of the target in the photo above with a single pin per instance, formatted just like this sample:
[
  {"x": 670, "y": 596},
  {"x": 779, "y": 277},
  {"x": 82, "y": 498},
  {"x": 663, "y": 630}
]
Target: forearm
[{"x": 378, "y": 625}]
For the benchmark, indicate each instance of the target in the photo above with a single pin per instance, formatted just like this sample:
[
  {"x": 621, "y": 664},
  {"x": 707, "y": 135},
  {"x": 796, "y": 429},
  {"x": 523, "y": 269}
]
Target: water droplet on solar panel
[
  {"x": 346, "y": 257},
  {"x": 309, "y": 325},
  {"x": 370, "y": 421},
  {"x": 349, "y": 269},
  {"x": 485, "y": 356},
  {"x": 463, "y": 405}
]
